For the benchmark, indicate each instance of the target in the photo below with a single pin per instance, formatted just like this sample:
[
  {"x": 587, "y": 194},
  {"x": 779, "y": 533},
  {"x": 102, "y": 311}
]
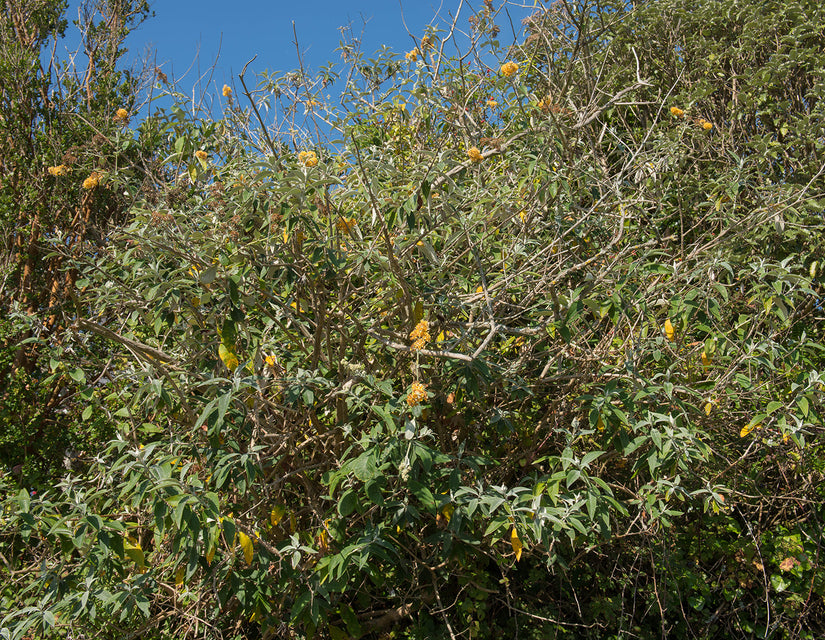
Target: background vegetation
[{"x": 524, "y": 343}]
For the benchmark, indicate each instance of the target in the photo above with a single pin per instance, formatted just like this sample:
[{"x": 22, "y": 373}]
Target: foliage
[
  {"x": 525, "y": 349},
  {"x": 71, "y": 167}
]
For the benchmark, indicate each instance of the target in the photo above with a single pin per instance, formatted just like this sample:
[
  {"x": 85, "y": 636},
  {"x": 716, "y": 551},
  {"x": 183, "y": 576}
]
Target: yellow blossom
[
  {"x": 270, "y": 361},
  {"x": 59, "y": 170},
  {"x": 227, "y": 91},
  {"x": 121, "y": 115},
  {"x": 308, "y": 158},
  {"x": 676, "y": 112},
  {"x": 200, "y": 154},
  {"x": 417, "y": 394},
  {"x": 92, "y": 181},
  {"x": 492, "y": 103},
  {"x": 420, "y": 335},
  {"x": 474, "y": 154},
  {"x": 412, "y": 56},
  {"x": 707, "y": 126},
  {"x": 427, "y": 42},
  {"x": 345, "y": 225},
  {"x": 508, "y": 69}
]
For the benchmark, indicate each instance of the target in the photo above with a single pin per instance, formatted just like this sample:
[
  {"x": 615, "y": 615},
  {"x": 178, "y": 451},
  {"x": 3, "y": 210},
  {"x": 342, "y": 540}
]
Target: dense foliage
[{"x": 526, "y": 343}]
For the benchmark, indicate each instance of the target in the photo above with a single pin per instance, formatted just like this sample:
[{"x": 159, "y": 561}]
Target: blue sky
[{"x": 189, "y": 36}]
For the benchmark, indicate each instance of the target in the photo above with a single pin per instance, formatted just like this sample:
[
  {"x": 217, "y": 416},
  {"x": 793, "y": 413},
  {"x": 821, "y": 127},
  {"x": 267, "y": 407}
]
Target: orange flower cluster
[
  {"x": 308, "y": 158},
  {"x": 420, "y": 335},
  {"x": 417, "y": 394},
  {"x": 92, "y": 181},
  {"x": 509, "y": 69}
]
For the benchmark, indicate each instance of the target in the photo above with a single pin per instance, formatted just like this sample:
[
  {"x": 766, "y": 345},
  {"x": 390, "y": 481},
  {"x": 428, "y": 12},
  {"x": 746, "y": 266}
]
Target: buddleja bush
[{"x": 473, "y": 360}]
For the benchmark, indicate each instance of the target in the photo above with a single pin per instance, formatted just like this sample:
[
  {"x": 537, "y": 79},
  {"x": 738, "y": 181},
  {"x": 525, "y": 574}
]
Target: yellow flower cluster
[
  {"x": 707, "y": 126},
  {"x": 492, "y": 103},
  {"x": 474, "y": 154},
  {"x": 311, "y": 104},
  {"x": 227, "y": 91},
  {"x": 345, "y": 225},
  {"x": 92, "y": 181},
  {"x": 59, "y": 170},
  {"x": 509, "y": 69},
  {"x": 420, "y": 335},
  {"x": 427, "y": 42},
  {"x": 308, "y": 158},
  {"x": 676, "y": 112},
  {"x": 412, "y": 56},
  {"x": 545, "y": 103},
  {"x": 417, "y": 394},
  {"x": 121, "y": 115},
  {"x": 200, "y": 154}
]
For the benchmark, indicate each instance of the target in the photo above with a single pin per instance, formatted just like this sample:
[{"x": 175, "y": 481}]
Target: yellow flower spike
[
  {"x": 59, "y": 170},
  {"x": 227, "y": 91},
  {"x": 420, "y": 335},
  {"x": 417, "y": 394},
  {"x": 121, "y": 115},
  {"x": 670, "y": 332},
  {"x": 479, "y": 289},
  {"x": 508, "y": 69},
  {"x": 676, "y": 112},
  {"x": 516, "y": 543}
]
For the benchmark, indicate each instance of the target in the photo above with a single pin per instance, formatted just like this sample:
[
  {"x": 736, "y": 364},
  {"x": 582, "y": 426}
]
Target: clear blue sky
[{"x": 187, "y": 35}]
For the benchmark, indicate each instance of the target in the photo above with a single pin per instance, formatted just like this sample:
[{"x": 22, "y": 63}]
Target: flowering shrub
[{"x": 620, "y": 352}]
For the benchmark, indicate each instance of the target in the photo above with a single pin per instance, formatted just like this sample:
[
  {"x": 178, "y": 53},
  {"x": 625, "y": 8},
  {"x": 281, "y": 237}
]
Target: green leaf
[
  {"x": 347, "y": 503},
  {"x": 773, "y": 406}
]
